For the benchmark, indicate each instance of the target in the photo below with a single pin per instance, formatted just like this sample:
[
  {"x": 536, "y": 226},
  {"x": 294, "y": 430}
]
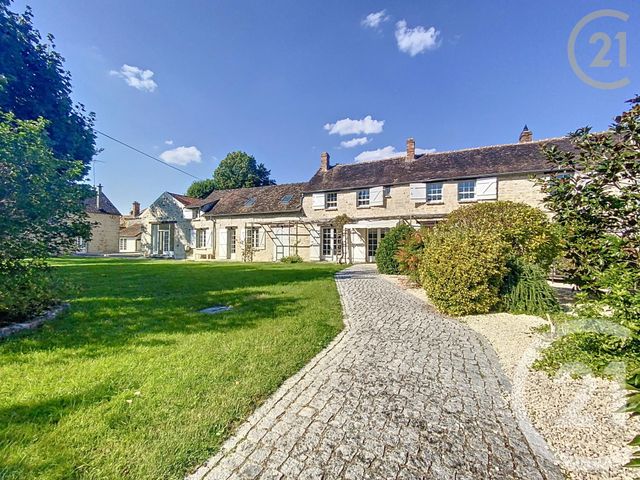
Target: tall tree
[
  {"x": 238, "y": 170},
  {"x": 200, "y": 188},
  {"x": 34, "y": 83}
]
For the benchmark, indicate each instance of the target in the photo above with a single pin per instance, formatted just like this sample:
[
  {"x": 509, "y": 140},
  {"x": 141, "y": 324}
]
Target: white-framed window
[
  {"x": 231, "y": 236},
  {"x": 252, "y": 236},
  {"x": 466, "y": 190},
  {"x": 363, "y": 197},
  {"x": 386, "y": 192},
  {"x": 331, "y": 200},
  {"x": 331, "y": 242},
  {"x": 434, "y": 192},
  {"x": 123, "y": 244},
  {"x": 81, "y": 244},
  {"x": 202, "y": 235},
  {"x": 196, "y": 213}
]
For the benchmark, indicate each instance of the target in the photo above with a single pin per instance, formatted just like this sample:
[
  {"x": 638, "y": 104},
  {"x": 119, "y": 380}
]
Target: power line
[{"x": 146, "y": 154}]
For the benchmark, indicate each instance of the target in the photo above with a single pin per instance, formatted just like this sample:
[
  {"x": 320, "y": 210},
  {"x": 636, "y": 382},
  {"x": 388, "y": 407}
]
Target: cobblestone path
[{"x": 401, "y": 393}]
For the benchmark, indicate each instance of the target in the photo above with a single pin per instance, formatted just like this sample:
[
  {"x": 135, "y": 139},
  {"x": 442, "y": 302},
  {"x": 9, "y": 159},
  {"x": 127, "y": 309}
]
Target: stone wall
[{"x": 105, "y": 233}]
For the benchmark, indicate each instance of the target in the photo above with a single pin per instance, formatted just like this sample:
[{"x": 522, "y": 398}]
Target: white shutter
[
  {"x": 208, "y": 238},
  {"x": 418, "y": 192},
  {"x": 318, "y": 201},
  {"x": 314, "y": 243},
  {"x": 376, "y": 196},
  {"x": 487, "y": 188},
  {"x": 262, "y": 237},
  {"x": 192, "y": 237},
  {"x": 187, "y": 213},
  {"x": 222, "y": 243}
]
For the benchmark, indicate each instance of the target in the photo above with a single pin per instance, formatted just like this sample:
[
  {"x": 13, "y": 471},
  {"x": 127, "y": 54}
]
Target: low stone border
[{"x": 35, "y": 322}]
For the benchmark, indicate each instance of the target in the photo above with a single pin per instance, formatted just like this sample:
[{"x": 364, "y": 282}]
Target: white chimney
[{"x": 99, "y": 194}]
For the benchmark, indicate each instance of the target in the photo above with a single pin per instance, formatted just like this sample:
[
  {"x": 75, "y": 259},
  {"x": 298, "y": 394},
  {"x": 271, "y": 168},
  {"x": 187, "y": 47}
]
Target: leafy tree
[
  {"x": 34, "y": 83},
  {"x": 238, "y": 170},
  {"x": 598, "y": 207},
  {"x": 389, "y": 246},
  {"x": 200, "y": 188},
  {"x": 39, "y": 209}
]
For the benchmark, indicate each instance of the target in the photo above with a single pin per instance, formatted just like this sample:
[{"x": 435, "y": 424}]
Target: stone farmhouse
[
  {"x": 272, "y": 222},
  {"x": 105, "y": 220}
]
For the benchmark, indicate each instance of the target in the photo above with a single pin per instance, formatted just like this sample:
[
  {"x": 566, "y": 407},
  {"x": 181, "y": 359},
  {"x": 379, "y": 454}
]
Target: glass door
[
  {"x": 331, "y": 244},
  {"x": 374, "y": 235}
]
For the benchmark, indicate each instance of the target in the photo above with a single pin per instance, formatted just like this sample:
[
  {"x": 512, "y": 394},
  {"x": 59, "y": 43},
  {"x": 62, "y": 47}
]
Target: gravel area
[{"x": 576, "y": 417}]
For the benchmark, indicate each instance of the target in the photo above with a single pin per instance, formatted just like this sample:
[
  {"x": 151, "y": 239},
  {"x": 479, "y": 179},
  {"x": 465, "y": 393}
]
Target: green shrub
[
  {"x": 389, "y": 246},
  {"x": 26, "y": 289},
  {"x": 525, "y": 290},
  {"x": 410, "y": 253},
  {"x": 633, "y": 407},
  {"x": 292, "y": 259},
  {"x": 462, "y": 270},
  {"x": 527, "y": 229}
]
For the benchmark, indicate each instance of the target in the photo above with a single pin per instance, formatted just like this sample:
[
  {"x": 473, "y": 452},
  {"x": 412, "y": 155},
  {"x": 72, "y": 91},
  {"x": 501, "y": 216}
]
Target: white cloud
[
  {"x": 355, "y": 142},
  {"x": 168, "y": 142},
  {"x": 373, "y": 20},
  {"x": 136, "y": 77},
  {"x": 416, "y": 40},
  {"x": 386, "y": 152},
  {"x": 182, "y": 156},
  {"x": 346, "y": 126}
]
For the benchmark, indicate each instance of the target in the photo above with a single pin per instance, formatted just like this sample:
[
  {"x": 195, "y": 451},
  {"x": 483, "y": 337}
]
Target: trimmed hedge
[
  {"x": 462, "y": 269},
  {"x": 389, "y": 246}
]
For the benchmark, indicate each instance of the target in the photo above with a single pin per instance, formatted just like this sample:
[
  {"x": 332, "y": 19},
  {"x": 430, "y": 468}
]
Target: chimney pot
[
  {"x": 324, "y": 161},
  {"x": 98, "y": 195},
  {"x": 411, "y": 149},
  {"x": 526, "y": 135},
  {"x": 135, "y": 209}
]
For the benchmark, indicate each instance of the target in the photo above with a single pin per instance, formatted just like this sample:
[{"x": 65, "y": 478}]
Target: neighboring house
[
  {"x": 131, "y": 238},
  {"x": 105, "y": 219},
  {"x": 268, "y": 223}
]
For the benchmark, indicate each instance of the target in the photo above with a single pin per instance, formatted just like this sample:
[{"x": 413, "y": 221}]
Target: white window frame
[
  {"x": 123, "y": 244},
  {"x": 202, "y": 237},
  {"x": 466, "y": 194},
  {"x": 331, "y": 204},
  {"x": 233, "y": 233},
  {"x": 252, "y": 236},
  {"x": 363, "y": 198},
  {"x": 434, "y": 196}
]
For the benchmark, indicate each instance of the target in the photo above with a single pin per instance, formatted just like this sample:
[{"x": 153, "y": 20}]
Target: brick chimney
[
  {"x": 135, "y": 209},
  {"x": 324, "y": 162},
  {"x": 98, "y": 195},
  {"x": 526, "y": 135},
  {"x": 411, "y": 149}
]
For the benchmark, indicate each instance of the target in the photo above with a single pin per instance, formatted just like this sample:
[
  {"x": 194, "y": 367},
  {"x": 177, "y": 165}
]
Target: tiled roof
[
  {"x": 473, "y": 162},
  {"x": 183, "y": 199},
  {"x": 269, "y": 199},
  {"x": 133, "y": 230},
  {"x": 90, "y": 205}
]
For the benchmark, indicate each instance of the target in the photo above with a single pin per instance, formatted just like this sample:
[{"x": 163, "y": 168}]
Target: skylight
[
  {"x": 286, "y": 199},
  {"x": 250, "y": 202}
]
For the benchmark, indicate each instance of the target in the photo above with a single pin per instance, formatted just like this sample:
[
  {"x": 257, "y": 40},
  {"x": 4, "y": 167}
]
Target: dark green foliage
[
  {"x": 462, "y": 269},
  {"x": 633, "y": 407},
  {"x": 292, "y": 259},
  {"x": 527, "y": 229},
  {"x": 28, "y": 289},
  {"x": 238, "y": 170},
  {"x": 389, "y": 246},
  {"x": 525, "y": 290},
  {"x": 410, "y": 253},
  {"x": 34, "y": 83},
  {"x": 200, "y": 188}
]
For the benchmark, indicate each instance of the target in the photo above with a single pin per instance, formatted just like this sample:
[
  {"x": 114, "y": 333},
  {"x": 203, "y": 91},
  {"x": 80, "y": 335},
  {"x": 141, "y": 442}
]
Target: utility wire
[{"x": 146, "y": 154}]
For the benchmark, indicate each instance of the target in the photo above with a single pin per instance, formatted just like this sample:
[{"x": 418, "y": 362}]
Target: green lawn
[{"x": 133, "y": 383}]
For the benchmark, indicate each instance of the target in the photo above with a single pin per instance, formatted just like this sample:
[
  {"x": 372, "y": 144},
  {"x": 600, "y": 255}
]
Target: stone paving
[{"x": 401, "y": 393}]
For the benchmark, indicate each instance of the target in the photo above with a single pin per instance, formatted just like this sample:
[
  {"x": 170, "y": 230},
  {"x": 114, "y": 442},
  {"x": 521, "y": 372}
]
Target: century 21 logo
[{"x": 602, "y": 58}]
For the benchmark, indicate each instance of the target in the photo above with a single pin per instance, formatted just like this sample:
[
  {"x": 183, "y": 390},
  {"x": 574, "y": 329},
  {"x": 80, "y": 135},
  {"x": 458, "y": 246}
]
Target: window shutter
[
  {"x": 376, "y": 196},
  {"x": 487, "y": 188},
  {"x": 222, "y": 243},
  {"x": 192, "y": 237},
  {"x": 318, "y": 201},
  {"x": 262, "y": 237},
  {"x": 187, "y": 213},
  {"x": 314, "y": 243},
  {"x": 208, "y": 238},
  {"x": 418, "y": 192}
]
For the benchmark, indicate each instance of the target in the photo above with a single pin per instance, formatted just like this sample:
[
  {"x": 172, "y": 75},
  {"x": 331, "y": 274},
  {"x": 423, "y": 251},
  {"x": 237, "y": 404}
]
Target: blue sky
[{"x": 275, "y": 78}]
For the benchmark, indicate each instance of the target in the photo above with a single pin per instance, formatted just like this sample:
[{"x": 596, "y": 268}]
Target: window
[
  {"x": 286, "y": 200},
  {"x": 386, "y": 192},
  {"x": 196, "y": 213},
  {"x": 331, "y": 242},
  {"x": 467, "y": 190},
  {"x": 331, "y": 200},
  {"x": 250, "y": 202},
  {"x": 202, "y": 235},
  {"x": 81, "y": 245},
  {"x": 232, "y": 240},
  {"x": 434, "y": 192},
  {"x": 123, "y": 244},
  {"x": 252, "y": 235},
  {"x": 363, "y": 198}
]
